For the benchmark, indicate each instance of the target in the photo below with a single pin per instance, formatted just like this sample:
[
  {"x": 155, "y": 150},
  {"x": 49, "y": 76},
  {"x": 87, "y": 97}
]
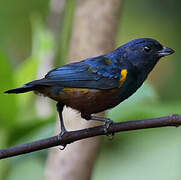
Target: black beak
[{"x": 165, "y": 51}]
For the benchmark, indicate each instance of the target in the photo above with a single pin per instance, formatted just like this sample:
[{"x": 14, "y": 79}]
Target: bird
[{"x": 99, "y": 83}]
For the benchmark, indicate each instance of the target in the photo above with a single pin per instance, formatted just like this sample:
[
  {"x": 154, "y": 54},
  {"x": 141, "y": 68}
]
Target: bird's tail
[
  {"x": 22, "y": 89},
  {"x": 31, "y": 86}
]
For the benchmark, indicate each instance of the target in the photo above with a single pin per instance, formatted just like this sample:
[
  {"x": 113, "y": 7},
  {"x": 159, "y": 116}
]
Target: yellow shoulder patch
[{"x": 124, "y": 73}]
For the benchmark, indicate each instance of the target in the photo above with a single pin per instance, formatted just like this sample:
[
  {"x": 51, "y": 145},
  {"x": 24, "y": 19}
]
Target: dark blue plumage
[{"x": 101, "y": 82}]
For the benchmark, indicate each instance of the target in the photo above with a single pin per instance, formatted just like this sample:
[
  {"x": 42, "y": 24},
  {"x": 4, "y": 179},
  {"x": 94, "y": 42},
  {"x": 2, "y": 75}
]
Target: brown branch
[{"x": 72, "y": 136}]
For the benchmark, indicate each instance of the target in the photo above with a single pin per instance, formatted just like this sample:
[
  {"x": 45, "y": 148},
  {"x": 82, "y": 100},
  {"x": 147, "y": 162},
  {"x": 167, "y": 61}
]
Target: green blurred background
[{"x": 25, "y": 40}]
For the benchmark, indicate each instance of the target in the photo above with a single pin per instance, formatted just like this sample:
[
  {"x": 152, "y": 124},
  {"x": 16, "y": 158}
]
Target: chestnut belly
[{"x": 86, "y": 101}]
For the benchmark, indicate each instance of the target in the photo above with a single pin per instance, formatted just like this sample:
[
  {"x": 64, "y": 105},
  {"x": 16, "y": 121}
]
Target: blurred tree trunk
[
  {"x": 55, "y": 17},
  {"x": 94, "y": 32}
]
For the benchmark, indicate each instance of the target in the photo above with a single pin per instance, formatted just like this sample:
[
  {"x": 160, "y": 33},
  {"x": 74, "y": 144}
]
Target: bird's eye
[{"x": 147, "y": 48}]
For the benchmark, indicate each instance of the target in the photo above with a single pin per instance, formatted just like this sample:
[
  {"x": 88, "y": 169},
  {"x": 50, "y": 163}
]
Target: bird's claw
[
  {"x": 108, "y": 122},
  {"x": 61, "y": 134},
  {"x": 63, "y": 146},
  {"x": 110, "y": 136}
]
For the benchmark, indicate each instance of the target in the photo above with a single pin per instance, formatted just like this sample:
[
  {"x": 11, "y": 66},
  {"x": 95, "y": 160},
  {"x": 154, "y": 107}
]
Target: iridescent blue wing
[{"x": 94, "y": 73}]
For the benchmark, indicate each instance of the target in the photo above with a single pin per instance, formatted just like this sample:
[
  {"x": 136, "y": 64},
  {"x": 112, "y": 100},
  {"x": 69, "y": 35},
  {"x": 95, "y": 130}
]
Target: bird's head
[{"x": 144, "y": 53}]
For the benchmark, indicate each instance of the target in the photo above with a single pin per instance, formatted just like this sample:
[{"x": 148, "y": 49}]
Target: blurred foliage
[
  {"x": 25, "y": 41},
  {"x": 18, "y": 120}
]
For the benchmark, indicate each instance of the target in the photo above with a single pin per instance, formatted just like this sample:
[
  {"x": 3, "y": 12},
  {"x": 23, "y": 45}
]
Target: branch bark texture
[{"x": 72, "y": 136}]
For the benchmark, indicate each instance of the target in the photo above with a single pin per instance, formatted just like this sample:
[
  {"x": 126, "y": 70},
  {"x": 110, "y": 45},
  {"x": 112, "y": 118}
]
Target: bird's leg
[
  {"x": 107, "y": 121},
  {"x": 62, "y": 126}
]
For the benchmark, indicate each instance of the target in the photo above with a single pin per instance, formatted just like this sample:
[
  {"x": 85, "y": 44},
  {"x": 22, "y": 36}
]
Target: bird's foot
[
  {"x": 107, "y": 124},
  {"x": 61, "y": 134}
]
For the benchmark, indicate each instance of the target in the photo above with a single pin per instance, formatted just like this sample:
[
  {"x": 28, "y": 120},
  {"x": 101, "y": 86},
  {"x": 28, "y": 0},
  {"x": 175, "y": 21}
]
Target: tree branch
[{"x": 72, "y": 136}]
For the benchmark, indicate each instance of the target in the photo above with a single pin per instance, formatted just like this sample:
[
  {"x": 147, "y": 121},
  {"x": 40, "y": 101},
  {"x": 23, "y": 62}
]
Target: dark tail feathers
[
  {"x": 31, "y": 86},
  {"x": 22, "y": 89}
]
